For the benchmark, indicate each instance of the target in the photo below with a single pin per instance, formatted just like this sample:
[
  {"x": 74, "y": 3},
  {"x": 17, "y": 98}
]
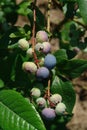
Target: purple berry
[
  {"x": 76, "y": 49},
  {"x": 48, "y": 113},
  {"x": 46, "y": 47},
  {"x": 42, "y": 73},
  {"x": 50, "y": 61},
  {"x": 41, "y": 36}
]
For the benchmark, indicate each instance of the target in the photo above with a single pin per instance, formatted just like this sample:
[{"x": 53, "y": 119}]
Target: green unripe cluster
[{"x": 51, "y": 107}]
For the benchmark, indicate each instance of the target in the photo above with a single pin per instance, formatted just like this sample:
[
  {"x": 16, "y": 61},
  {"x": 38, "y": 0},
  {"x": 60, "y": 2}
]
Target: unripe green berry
[
  {"x": 29, "y": 67},
  {"x": 23, "y": 44},
  {"x": 60, "y": 108},
  {"x": 41, "y": 102},
  {"x": 39, "y": 47},
  {"x": 55, "y": 98},
  {"x": 35, "y": 92},
  {"x": 41, "y": 63},
  {"x": 29, "y": 52}
]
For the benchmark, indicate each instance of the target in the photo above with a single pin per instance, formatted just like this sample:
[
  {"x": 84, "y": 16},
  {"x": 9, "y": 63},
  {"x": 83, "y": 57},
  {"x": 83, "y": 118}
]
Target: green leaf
[
  {"x": 83, "y": 9},
  {"x": 1, "y": 83},
  {"x": 23, "y": 8},
  {"x": 40, "y": 19},
  {"x": 21, "y": 32},
  {"x": 13, "y": 35},
  {"x": 21, "y": 78},
  {"x": 65, "y": 89},
  {"x": 67, "y": 1},
  {"x": 6, "y": 67},
  {"x": 65, "y": 32},
  {"x": 72, "y": 68},
  {"x": 61, "y": 55},
  {"x": 4, "y": 41},
  {"x": 71, "y": 54},
  {"x": 18, "y": 114}
]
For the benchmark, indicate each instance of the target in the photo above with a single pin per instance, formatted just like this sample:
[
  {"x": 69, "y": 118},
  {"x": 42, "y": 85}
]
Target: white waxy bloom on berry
[
  {"x": 60, "y": 108},
  {"x": 56, "y": 98},
  {"x": 39, "y": 47},
  {"x": 46, "y": 47},
  {"x": 41, "y": 102},
  {"x": 29, "y": 52},
  {"x": 48, "y": 113},
  {"x": 29, "y": 67},
  {"x": 35, "y": 92},
  {"x": 23, "y": 44},
  {"x": 41, "y": 36}
]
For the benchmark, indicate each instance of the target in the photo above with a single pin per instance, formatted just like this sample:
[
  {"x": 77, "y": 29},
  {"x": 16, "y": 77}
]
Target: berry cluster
[
  {"x": 46, "y": 63},
  {"x": 50, "y": 106}
]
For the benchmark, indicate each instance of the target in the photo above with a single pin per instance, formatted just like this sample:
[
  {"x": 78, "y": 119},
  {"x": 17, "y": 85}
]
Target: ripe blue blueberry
[
  {"x": 41, "y": 36},
  {"x": 48, "y": 113},
  {"x": 50, "y": 61},
  {"x": 42, "y": 73}
]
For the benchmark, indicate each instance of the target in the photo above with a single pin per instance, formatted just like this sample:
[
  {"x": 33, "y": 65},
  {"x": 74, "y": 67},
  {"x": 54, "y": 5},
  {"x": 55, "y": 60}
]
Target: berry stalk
[
  {"x": 48, "y": 18},
  {"x": 48, "y": 29},
  {"x": 33, "y": 35},
  {"x": 48, "y": 88}
]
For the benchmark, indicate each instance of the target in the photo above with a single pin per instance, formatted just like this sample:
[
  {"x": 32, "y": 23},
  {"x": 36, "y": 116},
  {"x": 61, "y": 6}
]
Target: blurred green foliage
[{"x": 71, "y": 34}]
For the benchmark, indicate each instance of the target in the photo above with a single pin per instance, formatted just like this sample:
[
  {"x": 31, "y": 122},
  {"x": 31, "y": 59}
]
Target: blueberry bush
[{"x": 36, "y": 90}]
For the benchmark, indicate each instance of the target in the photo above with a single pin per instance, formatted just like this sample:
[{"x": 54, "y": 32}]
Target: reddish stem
[
  {"x": 33, "y": 36},
  {"x": 48, "y": 88},
  {"x": 48, "y": 29}
]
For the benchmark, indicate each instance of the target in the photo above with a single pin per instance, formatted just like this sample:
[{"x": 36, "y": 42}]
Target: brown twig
[
  {"x": 80, "y": 23},
  {"x": 48, "y": 15},
  {"x": 33, "y": 31},
  {"x": 48, "y": 94},
  {"x": 49, "y": 88},
  {"x": 48, "y": 29},
  {"x": 33, "y": 35}
]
